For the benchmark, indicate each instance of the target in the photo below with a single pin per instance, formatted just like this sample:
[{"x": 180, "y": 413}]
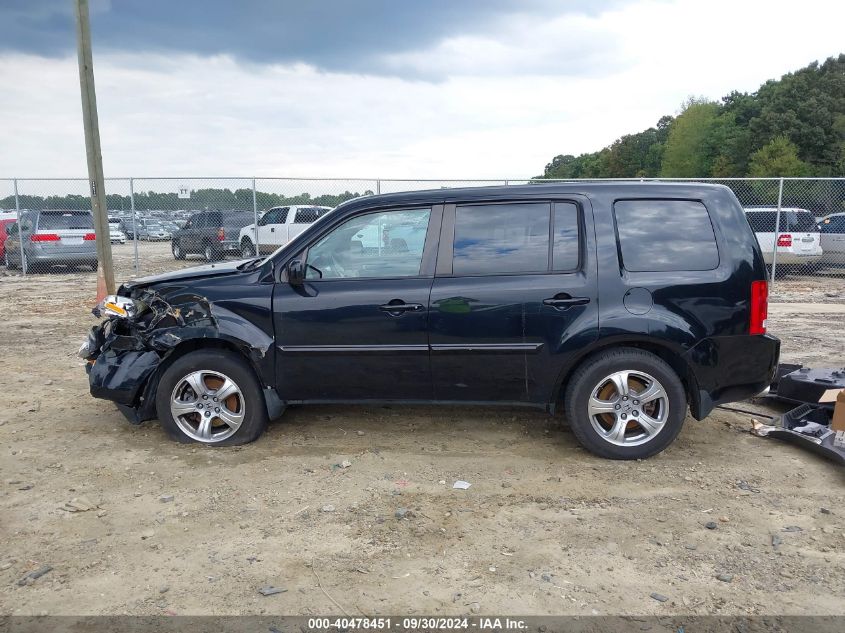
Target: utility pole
[{"x": 105, "y": 269}]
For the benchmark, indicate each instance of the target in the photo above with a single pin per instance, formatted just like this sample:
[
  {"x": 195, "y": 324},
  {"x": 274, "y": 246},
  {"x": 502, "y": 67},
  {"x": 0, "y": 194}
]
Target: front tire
[
  {"x": 625, "y": 404},
  {"x": 211, "y": 397}
]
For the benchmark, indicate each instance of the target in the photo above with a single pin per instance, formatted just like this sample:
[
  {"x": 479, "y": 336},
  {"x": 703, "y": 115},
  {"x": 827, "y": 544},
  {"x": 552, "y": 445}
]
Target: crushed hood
[{"x": 210, "y": 270}]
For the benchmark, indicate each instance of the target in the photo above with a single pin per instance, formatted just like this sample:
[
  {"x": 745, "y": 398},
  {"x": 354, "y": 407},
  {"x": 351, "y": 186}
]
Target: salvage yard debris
[
  {"x": 32, "y": 576},
  {"x": 270, "y": 590},
  {"x": 78, "y": 504},
  {"x": 461, "y": 485},
  {"x": 808, "y": 426}
]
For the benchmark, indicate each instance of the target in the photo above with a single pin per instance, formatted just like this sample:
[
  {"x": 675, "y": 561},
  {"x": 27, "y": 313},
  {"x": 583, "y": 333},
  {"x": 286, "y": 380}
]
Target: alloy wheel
[
  {"x": 207, "y": 406},
  {"x": 628, "y": 408}
]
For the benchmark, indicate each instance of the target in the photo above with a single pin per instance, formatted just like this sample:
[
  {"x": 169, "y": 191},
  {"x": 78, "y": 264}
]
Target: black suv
[
  {"x": 627, "y": 302},
  {"x": 211, "y": 234}
]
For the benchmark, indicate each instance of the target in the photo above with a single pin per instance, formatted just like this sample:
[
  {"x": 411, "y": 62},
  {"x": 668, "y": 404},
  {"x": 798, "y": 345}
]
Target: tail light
[
  {"x": 759, "y": 307},
  {"x": 44, "y": 237},
  {"x": 221, "y": 235},
  {"x": 785, "y": 240},
  {"x": 90, "y": 236}
]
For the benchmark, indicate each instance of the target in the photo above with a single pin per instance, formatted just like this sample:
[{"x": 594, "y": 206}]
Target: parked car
[
  {"x": 213, "y": 234},
  {"x": 4, "y": 222},
  {"x": 277, "y": 227},
  {"x": 832, "y": 230},
  {"x": 51, "y": 238},
  {"x": 152, "y": 231},
  {"x": 798, "y": 239},
  {"x": 170, "y": 226},
  {"x": 116, "y": 236},
  {"x": 627, "y": 301}
]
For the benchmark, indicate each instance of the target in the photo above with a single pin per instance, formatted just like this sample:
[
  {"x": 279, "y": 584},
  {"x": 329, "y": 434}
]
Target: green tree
[
  {"x": 688, "y": 152},
  {"x": 778, "y": 157}
]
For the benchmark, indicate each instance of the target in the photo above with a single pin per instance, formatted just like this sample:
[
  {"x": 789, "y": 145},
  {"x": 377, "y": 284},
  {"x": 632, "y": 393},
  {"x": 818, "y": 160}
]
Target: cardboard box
[{"x": 837, "y": 423}]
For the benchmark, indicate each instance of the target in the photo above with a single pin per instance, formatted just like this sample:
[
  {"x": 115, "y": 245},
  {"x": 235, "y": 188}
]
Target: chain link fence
[{"x": 46, "y": 226}]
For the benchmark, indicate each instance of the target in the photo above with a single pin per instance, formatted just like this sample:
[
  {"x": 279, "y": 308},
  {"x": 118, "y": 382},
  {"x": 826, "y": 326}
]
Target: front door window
[{"x": 382, "y": 245}]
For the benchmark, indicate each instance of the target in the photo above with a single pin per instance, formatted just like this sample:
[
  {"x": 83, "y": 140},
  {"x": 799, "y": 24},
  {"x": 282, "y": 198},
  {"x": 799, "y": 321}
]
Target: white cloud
[{"x": 512, "y": 100}]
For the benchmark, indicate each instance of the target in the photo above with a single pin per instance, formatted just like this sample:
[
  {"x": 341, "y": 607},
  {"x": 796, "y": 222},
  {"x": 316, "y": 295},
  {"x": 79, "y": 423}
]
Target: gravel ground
[{"x": 130, "y": 522}]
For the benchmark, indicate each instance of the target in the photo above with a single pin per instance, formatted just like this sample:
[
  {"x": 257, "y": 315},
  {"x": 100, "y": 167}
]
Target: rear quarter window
[{"x": 665, "y": 235}]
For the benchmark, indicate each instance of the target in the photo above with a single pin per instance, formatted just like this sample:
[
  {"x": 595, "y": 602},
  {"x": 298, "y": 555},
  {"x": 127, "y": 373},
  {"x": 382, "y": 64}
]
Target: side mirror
[{"x": 296, "y": 273}]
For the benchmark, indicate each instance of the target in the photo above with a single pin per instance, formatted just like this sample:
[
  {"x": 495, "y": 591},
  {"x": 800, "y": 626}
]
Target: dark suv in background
[
  {"x": 627, "y": 302},
  {"x": 211, "y": 234}
]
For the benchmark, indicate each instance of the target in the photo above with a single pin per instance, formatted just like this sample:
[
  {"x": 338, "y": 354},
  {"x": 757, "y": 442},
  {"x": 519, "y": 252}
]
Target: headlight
[{"x": 114, "y": 305}]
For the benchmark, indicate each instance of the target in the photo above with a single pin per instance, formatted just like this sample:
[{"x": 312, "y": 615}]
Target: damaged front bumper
[
  {"x": 122, "y": 378},
  {"x": 129, "y": 350}
]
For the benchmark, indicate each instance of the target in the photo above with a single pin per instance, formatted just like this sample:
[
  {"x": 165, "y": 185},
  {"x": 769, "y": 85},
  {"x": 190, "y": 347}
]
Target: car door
[
  {"x": 271, "y": 230},
  {"x": 190, "y": 239},
  {"x": 514, "y": 298},
  {"x": 833, "y": 239},
  {"x": 356, "y": 329}
]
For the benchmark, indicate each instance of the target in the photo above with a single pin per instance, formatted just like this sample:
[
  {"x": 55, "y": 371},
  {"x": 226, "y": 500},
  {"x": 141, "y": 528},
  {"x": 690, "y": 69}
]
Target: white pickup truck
[{"x": 277, "y": 227}]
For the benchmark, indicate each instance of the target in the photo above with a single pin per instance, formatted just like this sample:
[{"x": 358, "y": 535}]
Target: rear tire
[
  {"x": 208, "y": 371},
  {"x": 178, "y": 253},
  {"x": 212, "y": 254},
  {"x": 619, "y": 425},
  {"x": 247, "y": 249}
]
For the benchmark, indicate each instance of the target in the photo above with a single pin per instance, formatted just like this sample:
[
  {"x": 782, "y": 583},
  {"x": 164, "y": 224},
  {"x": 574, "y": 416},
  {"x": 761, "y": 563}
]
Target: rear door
[
  {"x": 513, "y": 300},
  {"x": 801, "y": 225},
  {"x": 357, "y": 328}
]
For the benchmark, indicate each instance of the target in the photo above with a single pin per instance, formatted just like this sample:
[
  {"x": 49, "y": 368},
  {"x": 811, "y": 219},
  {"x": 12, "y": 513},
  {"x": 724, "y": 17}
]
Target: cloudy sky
[{"x": 423, "y": 88}]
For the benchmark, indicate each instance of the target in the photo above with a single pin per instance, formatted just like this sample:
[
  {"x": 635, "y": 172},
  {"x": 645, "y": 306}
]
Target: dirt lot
[{"x": 544, "y": 529}]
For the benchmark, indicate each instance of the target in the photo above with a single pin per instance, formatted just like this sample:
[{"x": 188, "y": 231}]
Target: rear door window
[
  {"x": 665, "y": 235},
  {"x": 762, "y": 221},
  {"x": 507, "y": 238},
  {"x": 307, "y": 215},
  {"x": 567, "y": 238},
  {"x": 65, "y": 220}
]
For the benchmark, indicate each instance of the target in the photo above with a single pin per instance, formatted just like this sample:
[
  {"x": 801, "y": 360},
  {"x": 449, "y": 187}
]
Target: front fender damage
[{"x": 127, "y": 355}]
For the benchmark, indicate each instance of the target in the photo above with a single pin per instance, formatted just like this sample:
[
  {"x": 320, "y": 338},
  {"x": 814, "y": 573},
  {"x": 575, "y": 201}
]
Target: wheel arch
[
  {"x": 275, "y": 405},
  {"x": 673, "y": 355}
]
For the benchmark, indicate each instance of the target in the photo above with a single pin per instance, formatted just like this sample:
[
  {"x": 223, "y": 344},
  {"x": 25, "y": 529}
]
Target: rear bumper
[
  {"x": 58, "y": 257},
  {"x": 794, "y": 258},
  {"x": 730, "y": 368}
]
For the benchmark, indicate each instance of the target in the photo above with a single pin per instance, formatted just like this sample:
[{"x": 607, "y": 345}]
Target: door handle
[
  {"x": 562, "y": 301},
  {"x": 398, "y": 307}
]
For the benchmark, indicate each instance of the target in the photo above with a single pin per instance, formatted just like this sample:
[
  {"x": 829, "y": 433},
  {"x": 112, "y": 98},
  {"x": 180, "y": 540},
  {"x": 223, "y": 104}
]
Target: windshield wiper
[{"x": 251, "y": 263}]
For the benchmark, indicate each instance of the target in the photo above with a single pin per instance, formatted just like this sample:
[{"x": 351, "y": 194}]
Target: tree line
[
  {"x": 793, "y": 126},
  {"x": 222, "y": 199}
]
